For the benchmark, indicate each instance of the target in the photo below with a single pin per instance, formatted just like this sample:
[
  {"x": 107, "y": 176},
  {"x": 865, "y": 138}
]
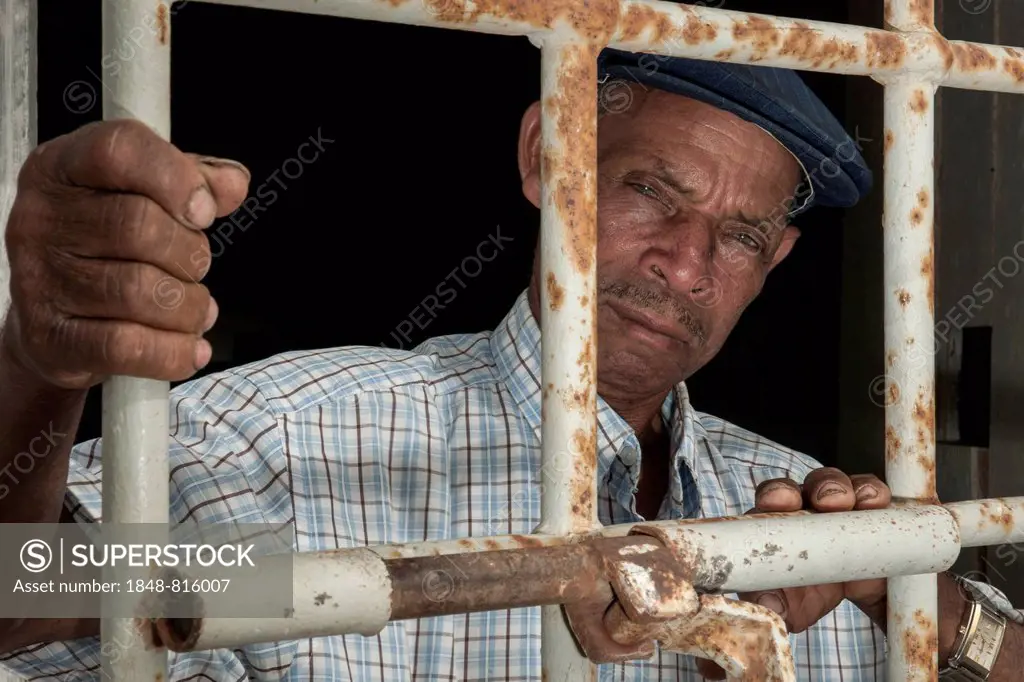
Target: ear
[
  {"x": 529, "y": 153},
  {"x": 789, "y": 236}
]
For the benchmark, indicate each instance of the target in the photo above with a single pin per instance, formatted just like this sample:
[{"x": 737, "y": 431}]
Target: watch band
[{"x": 977, "y": 645}]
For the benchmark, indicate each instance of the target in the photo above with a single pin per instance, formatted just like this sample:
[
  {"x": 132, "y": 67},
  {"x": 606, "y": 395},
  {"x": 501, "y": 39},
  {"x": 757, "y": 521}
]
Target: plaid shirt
[{"x": 359, "y": 446}]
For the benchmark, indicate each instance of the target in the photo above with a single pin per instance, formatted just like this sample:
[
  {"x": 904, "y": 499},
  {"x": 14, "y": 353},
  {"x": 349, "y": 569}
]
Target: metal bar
[
  {"x": 17, "y": 111},
  {"x": 567, "y": 318},
  {"x": 909, "y": 105},
  {"x": 136, "y": 481},
  {"x": 762, "y": 551},
  {"x": 708, "y": 33}
]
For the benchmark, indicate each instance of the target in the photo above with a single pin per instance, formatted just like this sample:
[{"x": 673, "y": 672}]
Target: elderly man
[{"x": 701, "y": 166}]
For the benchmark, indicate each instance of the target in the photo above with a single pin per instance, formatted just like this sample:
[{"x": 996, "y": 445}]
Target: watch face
[{"x": 984, "y": 648}]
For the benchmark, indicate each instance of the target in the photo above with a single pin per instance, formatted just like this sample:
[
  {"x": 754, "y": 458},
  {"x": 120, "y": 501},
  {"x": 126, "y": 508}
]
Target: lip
[{"x": 656, "y": 325}]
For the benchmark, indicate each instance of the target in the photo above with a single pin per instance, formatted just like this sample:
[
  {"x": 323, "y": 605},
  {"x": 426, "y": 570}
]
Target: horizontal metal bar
[
  {"x": 706, "y": 33},
  {"x": 759, "y": 551}
]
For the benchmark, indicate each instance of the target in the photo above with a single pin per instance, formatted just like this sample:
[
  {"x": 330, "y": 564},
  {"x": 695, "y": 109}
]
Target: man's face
[{"x": 690, "y": 200}]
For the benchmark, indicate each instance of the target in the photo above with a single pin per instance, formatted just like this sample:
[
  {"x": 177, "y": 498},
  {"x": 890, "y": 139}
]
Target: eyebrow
[{"x": 661, "y": 170}]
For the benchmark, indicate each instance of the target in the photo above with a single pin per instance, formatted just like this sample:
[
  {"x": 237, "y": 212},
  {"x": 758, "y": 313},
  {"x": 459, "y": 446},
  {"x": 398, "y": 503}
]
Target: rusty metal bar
[
  {"x": 136, "y": 479},
  {"x": 567, "y": 317},
  {"x": 908, "y": 226},
  {"x": 687, "y": 30},
  {"x": 761, "y": 551}
]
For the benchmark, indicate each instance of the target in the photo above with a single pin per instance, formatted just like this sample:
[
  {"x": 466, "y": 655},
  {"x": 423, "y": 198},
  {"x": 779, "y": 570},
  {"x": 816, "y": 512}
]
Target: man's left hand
[{"x": 824, "y": 490}]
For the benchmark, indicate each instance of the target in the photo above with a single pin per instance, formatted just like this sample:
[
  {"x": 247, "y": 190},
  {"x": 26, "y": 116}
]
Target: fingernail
[
  {"x": 211, "y": 315},
  {"x": 772, "y": 602},
  {"x": 224, "y": 163},
  {"x": 867, "y": 492},
  {"x": 202, "y": 209},
  {"x": 203, "y": 353},
  {"x": 830, "y": 490}
]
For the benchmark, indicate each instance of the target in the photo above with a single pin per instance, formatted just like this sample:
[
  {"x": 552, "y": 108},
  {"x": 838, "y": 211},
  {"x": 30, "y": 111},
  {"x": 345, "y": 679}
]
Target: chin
[{"x": 640, "y": 370}]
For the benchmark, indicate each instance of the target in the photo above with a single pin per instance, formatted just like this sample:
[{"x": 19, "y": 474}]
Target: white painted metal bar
[
  {"x": 568, "y": 304},
  {"x": 17, "y": 110},
  {"x": 908, "y": 225},
  {"x": 18, "y": 120},
  {"x": 136, "y": 480},
  {"x": 697, "y": 32}
]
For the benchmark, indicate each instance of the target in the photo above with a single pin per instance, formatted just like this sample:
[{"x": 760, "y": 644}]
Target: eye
[
  {"x": 751, "y": 245},
  {"x": 646, "y": 190}
]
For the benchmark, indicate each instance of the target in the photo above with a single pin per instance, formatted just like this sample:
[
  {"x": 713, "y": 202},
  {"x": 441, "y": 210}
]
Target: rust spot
[
  {"x": 760, "y": 33},
  {"x": 466, "y": 542},
  {"x": 919, "y": 103},
  {"x": 923, "y": 11},
  {"x": 1014, "y": 67},
  {"x": 893, "y": 444},
  {"x": 640, "y": 17},
  {"x": 584, "y": 450},
  {"x": 885, "y": 50},
  {"x": 922, "y": 198},
  {"x": 696, "y": 31},
  {"x": 491, "y": 544},
  {"x": 970, "y": 57},
  {"x": 573, "y": 188},
  {"x": 944, "y": 49},
  {"x": 890, "y": 358},
  {"x": 595, "y": 22},
  {"x": 924, "y": 415},
  {"x": 527, "y": 541},
  {"x": 724, "y": 54},
  {"x": 893, "y": 392},
  {"x": 1013, "y": 52},
  {"x": 916, "y": 217},
  {"x": 162, "y": 23},
  {"x": 556, "y": 294},
  {"x": 159, "y": 677},
  {"x": 806, "y": 44},
  {"x": 803, "y": 554},
  {"x": 321, "y": 598},
  {"x": 890, "y": 139},
  {"x": 920, "y": 640},
  {"x": 584, "y": 301},
  {"x": 904, "y": 297}
]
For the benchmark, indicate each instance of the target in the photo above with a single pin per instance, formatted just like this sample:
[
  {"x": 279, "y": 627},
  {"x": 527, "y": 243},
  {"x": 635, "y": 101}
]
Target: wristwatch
[{"x": 977, "y": 645}]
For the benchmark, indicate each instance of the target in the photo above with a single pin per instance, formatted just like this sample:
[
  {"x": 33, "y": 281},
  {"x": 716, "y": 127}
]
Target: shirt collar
[{"x": 516, "y": 348}]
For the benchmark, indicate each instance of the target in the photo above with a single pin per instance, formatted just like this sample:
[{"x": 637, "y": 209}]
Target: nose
[{"x": 682, "y": 259}]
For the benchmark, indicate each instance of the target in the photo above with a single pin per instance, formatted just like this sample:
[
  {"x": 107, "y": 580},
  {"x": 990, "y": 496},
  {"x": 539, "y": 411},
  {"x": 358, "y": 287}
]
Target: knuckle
[
  {"x": 114, "y": 144},
  {"x": 123, "y": 346}
]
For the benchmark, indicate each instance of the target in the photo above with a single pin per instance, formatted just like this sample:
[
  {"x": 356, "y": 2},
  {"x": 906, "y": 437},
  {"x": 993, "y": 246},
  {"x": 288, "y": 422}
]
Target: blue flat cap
[{"x": 775, "y": 99}]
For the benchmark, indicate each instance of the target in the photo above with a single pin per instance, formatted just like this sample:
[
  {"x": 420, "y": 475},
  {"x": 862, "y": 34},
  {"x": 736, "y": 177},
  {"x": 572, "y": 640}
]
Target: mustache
[{"x": 657, "y": 302}]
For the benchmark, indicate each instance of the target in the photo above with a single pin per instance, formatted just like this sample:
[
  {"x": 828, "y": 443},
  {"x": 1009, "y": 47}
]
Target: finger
[
  {"x": 870, "y": 492},
  {"x": 106, "y": 347},
  {"x": 227, "y": 179},
  {"x": 131, "y": 227},
  {"x": 128, "y": 156},
  {"x": 778, "y": 495},
  {"x": 773, "y": 600},
  {"x": 134, "y": 292},
  {"x": 828, "y": 490}
]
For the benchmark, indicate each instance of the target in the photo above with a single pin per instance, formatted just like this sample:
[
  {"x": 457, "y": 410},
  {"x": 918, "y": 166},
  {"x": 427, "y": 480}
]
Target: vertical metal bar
[
  {"x": 17, "y": 112},
  {"x": 568, "y": 283},
  {"x": 912, "y": 621},
  {"x": 18, "y": 127},
  {"x": 136, "y": 486}
]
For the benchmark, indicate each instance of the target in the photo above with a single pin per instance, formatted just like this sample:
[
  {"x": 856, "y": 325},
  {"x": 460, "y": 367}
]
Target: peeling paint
[{"x": 759, "y": 32}]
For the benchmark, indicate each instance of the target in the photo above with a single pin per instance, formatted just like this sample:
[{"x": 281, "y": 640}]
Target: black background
[{"x": 422, "y": 169}]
